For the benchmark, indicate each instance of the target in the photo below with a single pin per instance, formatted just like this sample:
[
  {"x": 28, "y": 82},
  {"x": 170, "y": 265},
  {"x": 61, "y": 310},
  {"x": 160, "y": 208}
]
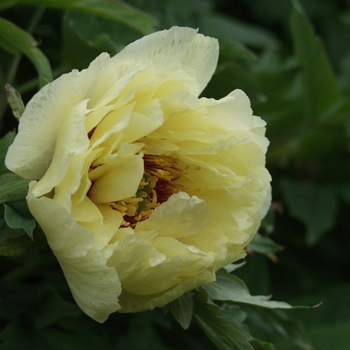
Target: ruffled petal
[
  {"x": 94, "y": 285},
  {"x": 116, "y": 180},
  {"x": 132, "y": 129},
  {"x": 42, "y": 120},
  {"x": 181, "y": 215},
  {"x": 131, "y": 302},
  {"x": 181, "y": 44}
]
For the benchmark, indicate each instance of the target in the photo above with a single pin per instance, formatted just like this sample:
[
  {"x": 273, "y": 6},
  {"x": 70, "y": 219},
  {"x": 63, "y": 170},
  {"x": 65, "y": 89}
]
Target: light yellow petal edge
[{"x": 95, "y": 287}]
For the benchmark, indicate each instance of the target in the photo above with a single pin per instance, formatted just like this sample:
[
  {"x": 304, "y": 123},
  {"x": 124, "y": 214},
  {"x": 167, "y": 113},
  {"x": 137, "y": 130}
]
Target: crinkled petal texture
[{"x": 143, "y": 189}]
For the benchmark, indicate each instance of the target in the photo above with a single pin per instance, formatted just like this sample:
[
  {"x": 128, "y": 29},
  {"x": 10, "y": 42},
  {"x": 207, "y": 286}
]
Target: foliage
[{"x": 293, "y": 60}]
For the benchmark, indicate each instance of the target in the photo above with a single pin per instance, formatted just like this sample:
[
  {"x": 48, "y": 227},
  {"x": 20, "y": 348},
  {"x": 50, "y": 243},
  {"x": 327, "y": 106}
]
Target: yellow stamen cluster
[{"x": 156, "y": 186}]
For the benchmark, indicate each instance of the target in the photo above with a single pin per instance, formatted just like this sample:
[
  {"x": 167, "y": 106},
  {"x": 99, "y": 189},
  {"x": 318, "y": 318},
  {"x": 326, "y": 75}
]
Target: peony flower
[{"x": 143, "y": 189}]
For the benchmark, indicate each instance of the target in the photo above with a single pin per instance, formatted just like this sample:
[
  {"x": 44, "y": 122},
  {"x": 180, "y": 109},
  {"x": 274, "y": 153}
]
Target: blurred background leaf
[
  {"x": 17, "y": 41},
  {"x": 114, "y": 10},
  {"x": 293, "y": 61}
]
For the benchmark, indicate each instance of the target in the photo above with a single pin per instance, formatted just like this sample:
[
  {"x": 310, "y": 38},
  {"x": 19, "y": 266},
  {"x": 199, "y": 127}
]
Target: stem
[
  {"x": 17, "y": 59},
  {"x": 35, "y": 19},
  {"x": 3, "y": 100},
  {"x": 13, "y": 69}
]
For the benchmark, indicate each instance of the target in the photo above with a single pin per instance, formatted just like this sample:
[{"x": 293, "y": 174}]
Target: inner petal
[
  {"x": 158, "y": 184},
  {"x": 119, "y": 179}
]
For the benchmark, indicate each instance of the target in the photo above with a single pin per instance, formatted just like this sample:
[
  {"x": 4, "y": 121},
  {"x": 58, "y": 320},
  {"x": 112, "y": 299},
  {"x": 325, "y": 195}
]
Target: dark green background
[{"x": 293, "y": 61}]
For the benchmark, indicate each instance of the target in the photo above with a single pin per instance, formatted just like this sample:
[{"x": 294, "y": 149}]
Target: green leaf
[
  {"x": 14, "y": 246},
  {"x": 232, "y": 267},
  {"x": 318, "y": 143},
  {"x": 264, "y": 245},
  {"x": 228, "y": 77},
  {"x": 289, "y": 328},
  {"x": 17, "y": 215},
  {"x": 111, "y": 9},
  {"x": 331, "y": 336},
  {"x": 261, "y": 345},
  {"x": 53, "y": 338},
  {"x": 241, "y": 54},
  {"x": 182, "y": 309},
  {"x": 230, "y": 288},
  {"x": 233, "y": 72},
  {"x": 17, "y": 336},
  {"x": 233, "y": 313},
  {"x": 268, "y": 222},
  {"x": 5, "y": 143},
  {"x": 319, "y": 83},
  {"x": 13, "y": 188},
  {"x": 226, "y": 335},
  {"x": 53, "y": 308},
  {"x": 315, "y": 207},
  {"x": 4, "y": 4},
  {"x": 141, "y": 334},
  {"x": 86, "y": 36},
  {"x": 227, "y": 30},
  {"x": 16, "y": 41}
]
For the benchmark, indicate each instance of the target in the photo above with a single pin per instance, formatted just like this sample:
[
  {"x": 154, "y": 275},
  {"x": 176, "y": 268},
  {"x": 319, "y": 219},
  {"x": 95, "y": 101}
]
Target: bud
[{"x": 15, "y": 101}]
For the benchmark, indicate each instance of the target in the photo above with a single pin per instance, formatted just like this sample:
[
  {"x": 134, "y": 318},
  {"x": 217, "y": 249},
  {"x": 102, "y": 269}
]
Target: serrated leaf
[
  {"x": 182, "y": 309},
  {"x": 230, "y": 288},
  {"x": 17, "y": 215},
  {"x": 14, "y": 246},
  {"x": 16, "y": 41},
  {"x": 319, "y": 83},
  {"x": 111, "y": 9},
  {"x": 13, "y": 188},
  {"x": 226, "y": 335}
]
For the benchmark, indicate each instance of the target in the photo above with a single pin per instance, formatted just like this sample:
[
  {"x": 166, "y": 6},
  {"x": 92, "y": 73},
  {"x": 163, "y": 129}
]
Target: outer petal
[
  {"x": 71, "y": 141},
  {"x": 135, "y": 303},
  {"x": 41, "y": 121},
  {"x": 95, "y": 287},
  {"x": 181, "y": 44}
]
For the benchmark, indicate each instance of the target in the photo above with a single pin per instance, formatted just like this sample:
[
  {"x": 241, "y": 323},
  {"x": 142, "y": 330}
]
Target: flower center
[{"x": 156, "y": 186}]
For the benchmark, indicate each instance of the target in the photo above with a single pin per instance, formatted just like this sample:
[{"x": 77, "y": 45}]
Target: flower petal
[
  {"x": 131, "y": 302},
  {"x": 117, "y": 179},
  {"x": 94, "y": 285},
  {"x": 42, "y": 118},
  {"x": 181, "y": 215},
  {"x": 181, "y": 44}
]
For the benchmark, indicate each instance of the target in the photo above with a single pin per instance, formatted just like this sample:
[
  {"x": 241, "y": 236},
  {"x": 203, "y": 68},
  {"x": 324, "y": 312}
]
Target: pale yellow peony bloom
[{"x": 143, "y": 189}]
